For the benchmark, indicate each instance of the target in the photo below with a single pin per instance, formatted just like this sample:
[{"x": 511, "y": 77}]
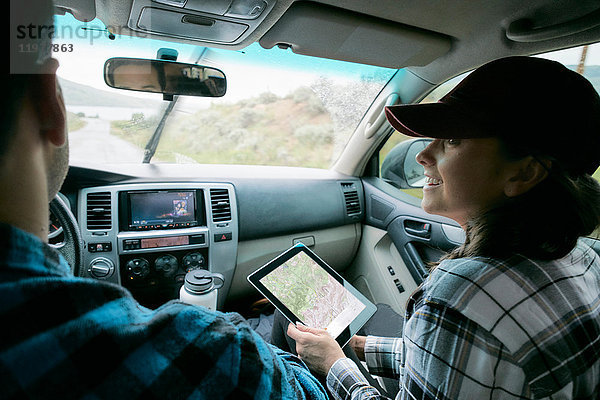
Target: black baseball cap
[{"x": 537, "y": 105}]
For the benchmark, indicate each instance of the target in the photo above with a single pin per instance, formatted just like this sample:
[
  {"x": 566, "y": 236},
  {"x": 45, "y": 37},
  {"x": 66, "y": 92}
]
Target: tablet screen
[
  {"x": 313, "y": 295},
  {"x": 305, "y": 289}
]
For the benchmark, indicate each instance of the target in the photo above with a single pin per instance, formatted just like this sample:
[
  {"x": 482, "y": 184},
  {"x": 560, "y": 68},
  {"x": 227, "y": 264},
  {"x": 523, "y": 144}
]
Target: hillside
[
  {"x": 308, "y": 127},
  {"x": 77, "y": 94},
  {"x": 258, "y": 130}
]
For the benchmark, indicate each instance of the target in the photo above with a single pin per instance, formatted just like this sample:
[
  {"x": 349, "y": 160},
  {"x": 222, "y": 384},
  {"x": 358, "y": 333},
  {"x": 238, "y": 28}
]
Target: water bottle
[{"x": 201, "y": 287}]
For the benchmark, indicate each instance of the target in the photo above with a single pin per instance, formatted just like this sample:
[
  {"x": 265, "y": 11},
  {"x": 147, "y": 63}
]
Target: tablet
[{"x": 305, "y": 289}]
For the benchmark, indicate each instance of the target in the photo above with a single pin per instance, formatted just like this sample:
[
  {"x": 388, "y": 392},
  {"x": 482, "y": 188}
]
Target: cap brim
[{"x": 433, "y": 120}]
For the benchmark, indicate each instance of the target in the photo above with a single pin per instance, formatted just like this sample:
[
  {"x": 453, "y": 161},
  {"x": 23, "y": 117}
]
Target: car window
[
  {"x": 584, "y": 59},
  {"x": 281, "y": 108}
]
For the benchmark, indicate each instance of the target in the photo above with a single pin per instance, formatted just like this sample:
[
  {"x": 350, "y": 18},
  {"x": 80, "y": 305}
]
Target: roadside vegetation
[
  {"x": 260, "y": 130},
  {"x": 136, "y": 130},
  {"x": 75, "y": 121}
]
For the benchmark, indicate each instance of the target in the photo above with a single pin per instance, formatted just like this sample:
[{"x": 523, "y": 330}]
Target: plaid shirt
[
  {"x": 485, "y": 329},
  {"x": 66, "y": 337}
]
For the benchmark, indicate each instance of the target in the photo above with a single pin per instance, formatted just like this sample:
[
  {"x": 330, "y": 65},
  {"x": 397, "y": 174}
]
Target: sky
[{"x": 572, "y": 56}]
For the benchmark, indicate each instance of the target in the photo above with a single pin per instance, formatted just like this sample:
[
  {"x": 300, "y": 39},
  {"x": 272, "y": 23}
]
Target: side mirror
[
  {"x": 400, "y": 167},
  {"x": 167, "y": 77}
]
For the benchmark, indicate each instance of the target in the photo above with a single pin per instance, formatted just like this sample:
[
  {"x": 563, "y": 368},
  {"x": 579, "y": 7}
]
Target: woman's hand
[{"x": 315, "y": 347}]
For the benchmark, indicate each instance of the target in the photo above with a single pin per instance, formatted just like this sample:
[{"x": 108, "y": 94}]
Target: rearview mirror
[
  {"x": 167, "y": 77},
  {"x": 400, "y": 166}
]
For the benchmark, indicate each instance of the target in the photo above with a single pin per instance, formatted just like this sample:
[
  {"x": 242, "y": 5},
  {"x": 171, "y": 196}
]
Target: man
[{"x": 67, "y": 337}]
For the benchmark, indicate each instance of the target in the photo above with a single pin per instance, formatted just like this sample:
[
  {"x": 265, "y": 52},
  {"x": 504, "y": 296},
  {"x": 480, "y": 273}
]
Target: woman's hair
[{"x": 544, "y": 223}]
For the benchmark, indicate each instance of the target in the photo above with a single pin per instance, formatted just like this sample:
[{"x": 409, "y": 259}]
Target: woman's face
[{"x": 464, "y": 177}]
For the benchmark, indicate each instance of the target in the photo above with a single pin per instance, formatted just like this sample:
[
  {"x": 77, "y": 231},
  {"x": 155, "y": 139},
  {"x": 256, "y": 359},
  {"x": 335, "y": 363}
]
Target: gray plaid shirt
[{"x": 487, "y": 329}]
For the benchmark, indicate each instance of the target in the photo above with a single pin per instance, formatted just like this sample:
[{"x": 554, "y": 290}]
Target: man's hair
[{"x": 31, "y": 28}]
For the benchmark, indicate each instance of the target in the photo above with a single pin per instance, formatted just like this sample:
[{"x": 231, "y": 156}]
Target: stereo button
[
  {"x": 197, "y": 239},
  {"x": 132, "y": 244},
  {"x": 99, "y": 247}
]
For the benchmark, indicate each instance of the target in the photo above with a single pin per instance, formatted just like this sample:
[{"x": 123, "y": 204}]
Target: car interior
[{"x": 359, "y": 211}]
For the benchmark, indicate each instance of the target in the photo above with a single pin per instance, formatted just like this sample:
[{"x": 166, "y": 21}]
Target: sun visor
[
  {"x": 82, "y": 10},
  {"x": 320, "y": 30}
]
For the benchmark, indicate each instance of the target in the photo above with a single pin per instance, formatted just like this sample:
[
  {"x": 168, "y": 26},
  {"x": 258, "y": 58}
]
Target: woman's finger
[
  {"x": 303, "y": 328},
  {"x": 300, "y": 331},
  {"x": 315, "y": 347},
  {"x": 292, "y": 331}
]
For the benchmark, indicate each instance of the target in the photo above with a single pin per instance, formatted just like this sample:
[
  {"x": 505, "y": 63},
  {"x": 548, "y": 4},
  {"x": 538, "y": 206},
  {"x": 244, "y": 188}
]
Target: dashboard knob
[
  {"x": 166, "y": 265},
  {"x": 138, "y": 268},
  {"x": 193, "y": 261},
  {"x": 101, "y": 268}
]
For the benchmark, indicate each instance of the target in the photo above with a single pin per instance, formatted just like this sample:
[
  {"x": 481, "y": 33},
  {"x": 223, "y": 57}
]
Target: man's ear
[
  {"x": 49, "y": 103},
  {"x": 528, "y": 172}
]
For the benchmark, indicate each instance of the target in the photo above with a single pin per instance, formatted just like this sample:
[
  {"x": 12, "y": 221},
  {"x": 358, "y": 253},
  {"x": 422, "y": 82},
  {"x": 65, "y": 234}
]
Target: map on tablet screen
[{"x": 312, "y": 294}]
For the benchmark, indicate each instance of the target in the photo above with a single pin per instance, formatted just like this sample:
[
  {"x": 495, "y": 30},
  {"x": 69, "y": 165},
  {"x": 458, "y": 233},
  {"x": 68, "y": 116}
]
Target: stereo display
[{"x": 166, "y": 209}]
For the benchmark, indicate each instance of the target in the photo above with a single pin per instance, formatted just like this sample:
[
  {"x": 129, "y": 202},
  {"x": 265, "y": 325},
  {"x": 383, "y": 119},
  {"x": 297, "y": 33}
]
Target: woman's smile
[
  {"x": 463, "y": 176},
  {"x": 432, "y": 182}
]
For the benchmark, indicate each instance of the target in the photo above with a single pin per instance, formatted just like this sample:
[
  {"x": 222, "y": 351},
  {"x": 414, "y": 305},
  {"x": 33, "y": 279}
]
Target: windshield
[{"x": 280, "y": 108}]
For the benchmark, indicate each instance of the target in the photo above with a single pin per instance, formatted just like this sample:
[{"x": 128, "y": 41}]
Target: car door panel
[{"x": 379, "y": 272}]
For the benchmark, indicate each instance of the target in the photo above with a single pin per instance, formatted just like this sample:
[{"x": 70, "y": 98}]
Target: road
[{"x": 94, "y": 143}]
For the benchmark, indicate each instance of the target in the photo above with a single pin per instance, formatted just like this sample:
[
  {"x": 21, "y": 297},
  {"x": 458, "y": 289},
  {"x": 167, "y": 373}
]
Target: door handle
[{"x": 419, "y": 229}]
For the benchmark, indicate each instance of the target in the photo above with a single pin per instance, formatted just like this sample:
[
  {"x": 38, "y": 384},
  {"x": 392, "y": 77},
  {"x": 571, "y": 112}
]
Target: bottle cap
[{"x": 198, "y": 281}]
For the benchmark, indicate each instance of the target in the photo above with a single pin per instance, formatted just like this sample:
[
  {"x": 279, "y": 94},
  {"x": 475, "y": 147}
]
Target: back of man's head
[{"x": 31, "y": 32}]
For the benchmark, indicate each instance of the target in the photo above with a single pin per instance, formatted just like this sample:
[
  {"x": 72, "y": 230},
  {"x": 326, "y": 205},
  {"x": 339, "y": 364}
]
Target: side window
[{"x": 585, "y": 60}]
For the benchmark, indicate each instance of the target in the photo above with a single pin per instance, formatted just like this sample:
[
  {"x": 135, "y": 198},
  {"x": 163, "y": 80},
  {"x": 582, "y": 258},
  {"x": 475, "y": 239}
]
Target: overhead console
[
  {"x": 213, "y": 21},
  {"x": 147, "y": 236}
]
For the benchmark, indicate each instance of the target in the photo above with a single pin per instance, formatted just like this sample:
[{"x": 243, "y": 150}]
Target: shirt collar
[{"x": 23, "y": 254}]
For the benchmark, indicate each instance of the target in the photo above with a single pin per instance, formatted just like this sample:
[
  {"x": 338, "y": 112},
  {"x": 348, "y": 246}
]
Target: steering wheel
[{"x": 72, "y": 246}]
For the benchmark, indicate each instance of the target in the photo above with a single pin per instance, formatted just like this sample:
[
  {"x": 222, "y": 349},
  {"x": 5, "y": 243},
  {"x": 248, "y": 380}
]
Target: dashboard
[
  {"x": 147, "y": 236},
  {"x": 144, "y": 228}
]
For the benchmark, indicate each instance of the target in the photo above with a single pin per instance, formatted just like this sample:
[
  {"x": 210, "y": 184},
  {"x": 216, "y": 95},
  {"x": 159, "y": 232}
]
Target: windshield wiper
[{"x": 152, "y": 144}]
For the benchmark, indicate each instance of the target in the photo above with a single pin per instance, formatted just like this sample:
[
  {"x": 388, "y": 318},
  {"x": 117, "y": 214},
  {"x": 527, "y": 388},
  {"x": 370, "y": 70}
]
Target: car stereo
[
  {"x": 161, "y": 209},
  {"x": 146, "y": 236}
]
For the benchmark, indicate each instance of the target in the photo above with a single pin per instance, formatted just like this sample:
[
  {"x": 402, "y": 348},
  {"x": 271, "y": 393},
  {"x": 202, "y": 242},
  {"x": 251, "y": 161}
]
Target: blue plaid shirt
[
  {"x": 67, "y": 337},
  {"x": 489, "y": 329}
]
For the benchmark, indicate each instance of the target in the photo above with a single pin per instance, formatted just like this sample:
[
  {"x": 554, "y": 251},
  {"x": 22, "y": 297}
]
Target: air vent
[
  {"x": 99, "y": 211},
  {"x": 219, "y": 203},
  {"x": 351, "y": 198}
]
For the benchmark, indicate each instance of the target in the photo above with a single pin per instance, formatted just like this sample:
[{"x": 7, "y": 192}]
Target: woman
[{"x": 515, "y": 311}]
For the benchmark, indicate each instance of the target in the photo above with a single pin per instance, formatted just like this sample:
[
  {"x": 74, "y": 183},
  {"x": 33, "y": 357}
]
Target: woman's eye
[{"x": 453, "y": 142}]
